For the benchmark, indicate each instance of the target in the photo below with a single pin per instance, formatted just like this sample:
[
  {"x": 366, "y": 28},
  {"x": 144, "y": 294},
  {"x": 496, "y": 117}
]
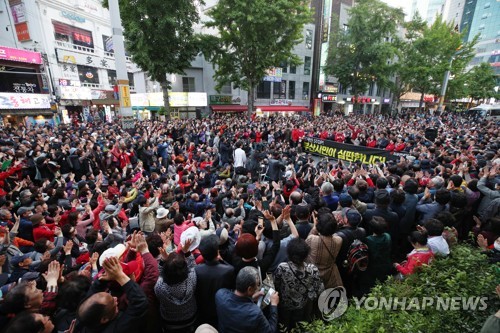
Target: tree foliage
[
  {"x": 253, "y": 36},
  {"x": 430, "y": 51},
  {"x": 481, "y": 82},
  {"x": 363, "y": 54},
  {"x": 160, "y": 36}
]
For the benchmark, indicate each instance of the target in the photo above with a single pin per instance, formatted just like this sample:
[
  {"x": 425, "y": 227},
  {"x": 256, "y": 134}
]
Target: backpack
[{"x": 357, "y": 257}]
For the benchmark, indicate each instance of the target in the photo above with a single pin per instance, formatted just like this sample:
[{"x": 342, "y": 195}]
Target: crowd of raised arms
[{"x": 184, "y": 225}]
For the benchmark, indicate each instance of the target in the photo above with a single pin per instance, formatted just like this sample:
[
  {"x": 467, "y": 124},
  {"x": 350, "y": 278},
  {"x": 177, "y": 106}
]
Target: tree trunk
[
  {"x": 166, "y": 101},
  {"x": 421, "y": 102},
  {"x": 251, "y": 98}
]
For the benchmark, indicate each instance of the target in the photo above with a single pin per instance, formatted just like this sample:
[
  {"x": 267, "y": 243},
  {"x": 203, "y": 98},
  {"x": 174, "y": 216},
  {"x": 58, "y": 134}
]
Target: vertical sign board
[
  {"x": 125, "y": 97},
  {"x": 317, "y": 107}
]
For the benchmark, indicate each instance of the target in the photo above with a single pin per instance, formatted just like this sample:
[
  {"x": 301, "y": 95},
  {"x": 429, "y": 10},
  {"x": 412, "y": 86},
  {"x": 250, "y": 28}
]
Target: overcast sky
[{"x": 405, "y": 4}]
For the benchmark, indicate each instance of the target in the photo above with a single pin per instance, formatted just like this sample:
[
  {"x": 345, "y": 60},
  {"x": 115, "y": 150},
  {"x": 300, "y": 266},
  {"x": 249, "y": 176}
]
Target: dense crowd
[{"x": 188, "y": 225}]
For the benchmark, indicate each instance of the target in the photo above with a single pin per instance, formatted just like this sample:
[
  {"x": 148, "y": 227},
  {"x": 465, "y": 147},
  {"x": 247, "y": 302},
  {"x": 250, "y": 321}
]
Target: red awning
[
  {"x": 282, "y": 108},
  {"x": 229, "y": 108}
]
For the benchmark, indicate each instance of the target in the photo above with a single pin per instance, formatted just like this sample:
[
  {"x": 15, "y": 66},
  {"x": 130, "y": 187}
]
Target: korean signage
[
  {"x": 81, "y": 93},
  {"x": 331, "y": 88},
  {"x": 22, "y": 32},
  {"x": 24, "y": 87},
  {"x": 18, "y": 13},
  {"x": 8, "y": 53},
  {"x": 274, "y": 74},
  {"x": 75, "y": 58},
  {"x": 98, "y": 94},
  {"x": 139, "y": 99},
  {"x": 220, "y": 99},
  {"x": 317, "y": 107},
  {"x": 361, "y": 100},
  {"x": 280, "y": 102},
  {"x": 345, "y": 152},
  {"x": 177, "y": 99},
  {"x": 69, "y": 83},
  {"x": 72, "y": 16},
  {"x": 125, "y": 97},
  {"x": 329, "y": 98},
  {"x": 24, "y": 101},
  {"x": 69, "y": 72}
]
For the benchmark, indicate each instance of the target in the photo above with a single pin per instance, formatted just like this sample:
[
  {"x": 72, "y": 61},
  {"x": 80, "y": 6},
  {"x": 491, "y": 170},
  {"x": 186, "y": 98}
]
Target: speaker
[{"x": 431, "y": 134}]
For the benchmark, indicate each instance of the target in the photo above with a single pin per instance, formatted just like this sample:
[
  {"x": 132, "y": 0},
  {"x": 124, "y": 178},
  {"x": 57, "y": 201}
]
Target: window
[
  {"x": 378, "y": 90},
  {"x": 293, "y": 69},
  {"x": 309, "y": 39},
  {"x": 88, "y": 74},
  {"x": 307, "y": 66},
  {"x": 188, "y": 84},
  {"x": 111, "y": 77},
  {"x": 279, "y": 89},
  {"x": 130, "y": 79},
  {"x": 68, "y": 33},
  {"x": 284, "y": 66},
  {"x": 226, "y": 89},
  {"x": 291, "y": 90},
  {"x": 264, "y": 90},
  {"x": 370, "y": 90},
  {"x": 107, "y": 42},
  {"x": 305, "y": 90}
]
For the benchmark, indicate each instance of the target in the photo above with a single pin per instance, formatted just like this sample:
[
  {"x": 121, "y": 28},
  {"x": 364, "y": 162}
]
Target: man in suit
[{"x": 211, "y": 276}]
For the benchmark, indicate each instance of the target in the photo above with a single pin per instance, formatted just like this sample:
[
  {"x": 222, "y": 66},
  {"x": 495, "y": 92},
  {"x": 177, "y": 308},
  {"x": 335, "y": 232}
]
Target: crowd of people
[{"x": 191, "y": 224}]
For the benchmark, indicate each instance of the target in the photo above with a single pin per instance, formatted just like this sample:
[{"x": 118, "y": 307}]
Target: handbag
[{"x": 133, "y": 222}]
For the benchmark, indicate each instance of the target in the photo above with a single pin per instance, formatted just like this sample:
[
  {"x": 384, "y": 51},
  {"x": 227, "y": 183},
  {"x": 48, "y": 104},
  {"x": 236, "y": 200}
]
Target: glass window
[
  {"x": 188, "y": 84},
  {"x": 284, "y": 66},
  {"x": 107, "y": 42},
  {"x": 264, "y": 90},
  {"x": 291, "y": 90},
  {"x": 370, "y": 89},
  {"x": 279, "y": 89},
  {"x": 293, "y": 69},
  {"x": 309, "y": 39},
  {"x": 305, "y": 90},
  {"x": 307, "y": 65},
  {"x": 111, "y": 77},
  {"x": 68, "y": 33},
  {"x": 226, "y": 89},
  {"x": 88, "y": 74},
  {"x": 130, "y": 79}
]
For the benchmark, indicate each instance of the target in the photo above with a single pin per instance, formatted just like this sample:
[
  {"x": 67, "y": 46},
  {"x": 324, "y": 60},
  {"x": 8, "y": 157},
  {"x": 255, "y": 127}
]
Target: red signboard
[
  {"x": 22, "y": 31},
  {"x": 11, "y": 54}
]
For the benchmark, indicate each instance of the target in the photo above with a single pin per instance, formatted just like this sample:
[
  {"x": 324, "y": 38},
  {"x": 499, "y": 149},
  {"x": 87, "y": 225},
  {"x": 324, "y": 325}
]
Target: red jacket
[
  {"x": 97, "y": 219},
  {"x": 416, "y": 258},
  {"x": 44, "y": 231},
  {"x": 354, "y": 131},
  {"x": 371, "y": 144},
  {"x": 339, "y": 137},
  {"x": 390, "y": 147},
  {"x": 400, "y": 147}
]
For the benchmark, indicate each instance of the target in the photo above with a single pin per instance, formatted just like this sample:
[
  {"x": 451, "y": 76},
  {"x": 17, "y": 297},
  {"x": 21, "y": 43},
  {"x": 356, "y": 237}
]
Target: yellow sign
[
  {"x": 69, "y": 58},
  {"x": 125, "y": 97}
]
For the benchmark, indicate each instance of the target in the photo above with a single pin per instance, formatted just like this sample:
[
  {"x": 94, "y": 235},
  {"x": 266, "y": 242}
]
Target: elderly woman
[
  {"x": 175, "y": 291},
  {"x": 298, "y": 283},
  {"x": 325, "y": 247}
]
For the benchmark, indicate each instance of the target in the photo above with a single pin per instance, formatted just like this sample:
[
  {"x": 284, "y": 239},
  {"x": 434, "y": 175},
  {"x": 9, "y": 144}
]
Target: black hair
[
  {"x": 382, "y": 183},
  {"x": 378, "y": 225},
  {"x": 297, "y": 250},
  {"x": 434, "y": 227},
  {"x": 418, "y": 237},
  {"x": 327, "y": 225},
  {"x": 338, "y": 185},
  {"x": 72, "y": 293},
  {"x": 209, "y": 247},
  {"x": 456, "y": 180},
  {"x": 443, "y": 196},
  {"x": 410, "y": 186},
  {"x": 447, "y": 218},
  {"x": 458, "y": 200},
  {"x": 175, "y": 269},
  {"x": 154, "y": 242},
  {"x": 353, "y": 191},
  {"x": 41, "y": 245},
  {"x": 25, "y": 322},
  {"x": 398, "y": 196},
  {"x": 178, "y": 219}
]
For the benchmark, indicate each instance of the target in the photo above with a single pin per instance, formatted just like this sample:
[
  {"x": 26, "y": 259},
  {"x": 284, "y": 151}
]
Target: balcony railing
[
  {"x": 112, "y": 55},
  {"x": 93, "y": 85},
  {"x": 71, "y": 46}
]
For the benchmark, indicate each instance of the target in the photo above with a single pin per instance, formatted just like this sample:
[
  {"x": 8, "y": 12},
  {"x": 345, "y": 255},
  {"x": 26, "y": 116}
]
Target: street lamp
[{"x": 446, "y": 78}]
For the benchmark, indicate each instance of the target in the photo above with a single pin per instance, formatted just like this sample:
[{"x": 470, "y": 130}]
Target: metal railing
[
  {"x": 92, "y": 85},
  {"x": 71, "y": 46}
]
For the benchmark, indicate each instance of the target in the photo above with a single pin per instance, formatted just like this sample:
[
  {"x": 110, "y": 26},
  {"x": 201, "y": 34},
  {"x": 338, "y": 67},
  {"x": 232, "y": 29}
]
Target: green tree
[
  {"x": 362, "y": 54},
  {"x": 432, "y": 51},
  {"x": 160, "y": 37},
  {"x": 253, "y": 36},
  {"x": 481, "y": 82}
]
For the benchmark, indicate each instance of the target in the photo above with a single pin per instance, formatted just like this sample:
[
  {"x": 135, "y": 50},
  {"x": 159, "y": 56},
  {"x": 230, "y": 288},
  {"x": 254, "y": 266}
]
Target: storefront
[
  {"x": 182, "y": 105},
  {"x": 263, "y": 110},
  {"x": 75, "y": 103},
  {"x": 24, "y": 90}
]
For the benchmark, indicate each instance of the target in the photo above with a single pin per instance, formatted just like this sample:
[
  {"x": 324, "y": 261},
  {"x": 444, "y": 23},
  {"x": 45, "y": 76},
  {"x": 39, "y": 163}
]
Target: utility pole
[{"x": 127, "y": 116}]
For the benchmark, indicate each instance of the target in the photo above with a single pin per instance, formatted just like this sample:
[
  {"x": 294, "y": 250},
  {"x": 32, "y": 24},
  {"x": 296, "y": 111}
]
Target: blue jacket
[{"x": 241, "y": 315}]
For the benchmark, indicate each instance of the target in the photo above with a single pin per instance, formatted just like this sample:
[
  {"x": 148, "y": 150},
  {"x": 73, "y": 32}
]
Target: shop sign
[
  {"x": 139, "y": 99},
  {"x": 72, "y": 16},
  {"x": 22, "y": 32},
  {"x": 387, "y": 100},
  {"x": 197, "y": 99},
  {"x": 78, "y": 93},
  {"x": 24, "y": 101},
  {"x": 361, "y": 100},
  {"x": 220, "y": 99},
  {"x": 98, "y": 94},
  {"x": 75, "y": 58},
  {"x": 70, "y": 83},
  {"x": 24, "y": 87},
  {"x": 69, "y": 72},
  {"x": 18, "y": 13},
  {"x": 331, "y": 88},
  {"x": 274, "y": 74},
  {"x": 11, "y": 54},
  {"x": 329, "y": 98},
  {"x": 317, "y": 107},
  {"x": 280, "y": 102}
]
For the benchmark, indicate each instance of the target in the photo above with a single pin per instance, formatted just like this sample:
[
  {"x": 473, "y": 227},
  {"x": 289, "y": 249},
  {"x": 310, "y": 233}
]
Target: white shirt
[
  {"x": 240, "y": 158},
  {"x": 438, "y": 246}
]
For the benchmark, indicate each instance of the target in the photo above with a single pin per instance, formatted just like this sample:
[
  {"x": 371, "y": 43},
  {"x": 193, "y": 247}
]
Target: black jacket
[{"x": 211, "y": 276}]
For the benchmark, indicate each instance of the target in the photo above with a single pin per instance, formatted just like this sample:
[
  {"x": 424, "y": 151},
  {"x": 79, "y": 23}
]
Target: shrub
[{"x": 465, "y": 273}]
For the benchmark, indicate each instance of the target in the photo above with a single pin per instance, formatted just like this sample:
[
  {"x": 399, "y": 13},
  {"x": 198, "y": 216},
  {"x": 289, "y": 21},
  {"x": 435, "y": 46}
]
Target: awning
[
  {"x": 282, "y": 108},
  {"x": 229, "y": 108},
  {"x": 26, "y": 112},
  {"x": 150, "y": 108},
  {"x": 106, "y": 101}
]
